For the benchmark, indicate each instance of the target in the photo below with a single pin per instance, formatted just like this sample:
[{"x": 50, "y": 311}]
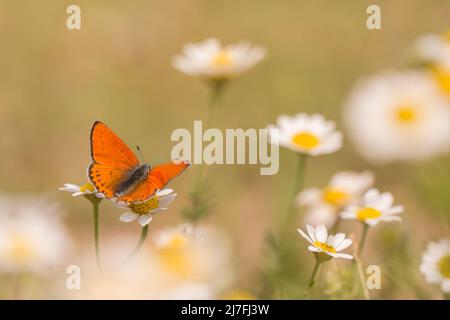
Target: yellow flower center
[
  {"x": 21, "y": 249},
  {"x": 325, "y": 247},
  {"x": 405, "y": 114},
  {"x": 368, "y": 213},
  {"x": 305, "y": 140},
  {"x": 444, "y": 266},
  {"x": 176, "y": 257},
  {"x": 335, "y": 197},
  {"x": 442, "y": 78},
  {"x": 223, "y": 59},
  {"x": 145, "y": 207},
  {"x": 87, "y": 188}
]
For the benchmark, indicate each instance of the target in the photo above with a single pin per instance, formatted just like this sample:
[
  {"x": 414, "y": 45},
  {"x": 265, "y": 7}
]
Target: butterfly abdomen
[{"x": 134, "y": 177}]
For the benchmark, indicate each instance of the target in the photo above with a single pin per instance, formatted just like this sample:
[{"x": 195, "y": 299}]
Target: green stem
[
  {"x": 95, "y": 206},
  {"x": 199, "y": 208},
  {"x": 335, "y": 226},
  {"x": 139, "y": 244},
  {"x": 298, "y": 185},
  {"x": 363, "y": 238},
  {"x": 361, "y": 278},
  {"x": 358, "y": 262},
  {"x": 313, "y": 276},
  {"x": 214, "y": 102}
]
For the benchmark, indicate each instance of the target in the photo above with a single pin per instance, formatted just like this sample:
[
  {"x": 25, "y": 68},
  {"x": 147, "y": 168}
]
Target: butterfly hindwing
[
  {"x": 161, "y": 175},
  {"x": 106, "y": 178},
  {"x": 157, "y": 179},
  {"x": 140, "y": 193}
]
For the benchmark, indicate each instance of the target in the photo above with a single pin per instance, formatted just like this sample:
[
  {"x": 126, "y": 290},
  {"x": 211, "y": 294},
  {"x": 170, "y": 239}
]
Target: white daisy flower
[
  {"x": 436, "y": 264},
  {"x": 144, "y": 211},
  {"x": 84, "y": 190},
  {"x": 308, "y": 134},
  {"x": 373, "y": 208},
  {"x": 323, "y": 205},
  {"x": 434, "y": 48},
  {"x": 211, "y": 61},
  {"x": 32, "y": 236},
  {"x": 324, "y": 245},
  {"x": 399, "y": 116}
]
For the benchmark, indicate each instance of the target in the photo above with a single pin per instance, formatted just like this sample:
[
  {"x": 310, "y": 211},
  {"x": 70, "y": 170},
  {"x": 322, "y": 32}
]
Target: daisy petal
[
  {"x": 145, "y": 219},
  {"x": 321, "y": 233},
  {"x": 304, "y": 235},
  {"x": 128, "y": 217},
  {"x": 344, "y": 245},
  {"x": 311, "y": 232}
]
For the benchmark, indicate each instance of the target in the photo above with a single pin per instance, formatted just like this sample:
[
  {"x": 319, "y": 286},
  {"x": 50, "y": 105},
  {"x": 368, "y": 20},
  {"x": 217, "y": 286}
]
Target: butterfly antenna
[{"x": 140, "y": 153}]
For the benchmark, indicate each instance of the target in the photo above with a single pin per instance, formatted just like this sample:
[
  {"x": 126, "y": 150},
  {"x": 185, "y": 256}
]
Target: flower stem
[
  {"x": 200, "y": 206},
  {"x": 358, "y": 262},
  {"x": 298, "y": 185},
  {"x": 95, "y": 206},
  {"x": 335, "y": 226},
  {"x": 214, "y": 101},
  {"x": 363, "y": 238},
  {"x": 139, "y": 244},
  {"x": 362, "y": 280},
  {"x": 313, "y": 276}
]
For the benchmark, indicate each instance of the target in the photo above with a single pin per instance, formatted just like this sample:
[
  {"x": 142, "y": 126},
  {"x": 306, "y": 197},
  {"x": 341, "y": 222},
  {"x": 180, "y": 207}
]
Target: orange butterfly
[{"x": 116, "y": 172}]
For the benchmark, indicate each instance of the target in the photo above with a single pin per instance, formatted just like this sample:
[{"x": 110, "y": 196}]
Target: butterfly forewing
[
  {"x": 108, "y": 148},
  {"x": 112, "y": 160}
]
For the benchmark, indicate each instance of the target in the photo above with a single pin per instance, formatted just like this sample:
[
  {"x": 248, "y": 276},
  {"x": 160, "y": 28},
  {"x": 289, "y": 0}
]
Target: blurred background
[{"x": 55, "y": 82}]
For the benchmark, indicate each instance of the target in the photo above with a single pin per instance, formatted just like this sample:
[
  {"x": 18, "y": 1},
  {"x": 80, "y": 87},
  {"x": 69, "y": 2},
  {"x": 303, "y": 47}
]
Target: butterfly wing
[
  {"x": 106, "y": 178},
  {"x": 161, "y": 175},
  {"x": 108, "y": 148},
  {"x": 111, "y": 159},
  {"x": 157, "y": 179}
]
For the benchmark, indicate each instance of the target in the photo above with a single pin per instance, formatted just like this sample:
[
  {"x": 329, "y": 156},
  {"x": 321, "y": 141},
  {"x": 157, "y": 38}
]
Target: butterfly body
[
  {"x": 116, "y": 172},
  {"x": 133, "y": 178}
]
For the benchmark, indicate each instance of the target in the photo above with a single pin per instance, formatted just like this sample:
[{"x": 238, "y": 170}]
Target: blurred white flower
[
  {"x": 308, "y": 134},
  {"x": 84, "y": 190},
  {"x": 322, "y": 206},
  {"x": 211, "y": 61},
  {"x": 436, "y": 264},
  {"x": 326, "y": 246},
  {"x": 144, "y": 211},
  {"x": 373, "y": 208},
  {"x": 398, "y": 116},
  {"x": 434, "y": 48},
  {"x": 32, "y": 236},
  {"x": 187, "y": 255},
  {"x": 181, "y": 262},
  {"x": 442, "y": 76}
]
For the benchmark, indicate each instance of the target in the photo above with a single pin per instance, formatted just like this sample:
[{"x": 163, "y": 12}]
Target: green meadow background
[{"x": 55, "y": 82}]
